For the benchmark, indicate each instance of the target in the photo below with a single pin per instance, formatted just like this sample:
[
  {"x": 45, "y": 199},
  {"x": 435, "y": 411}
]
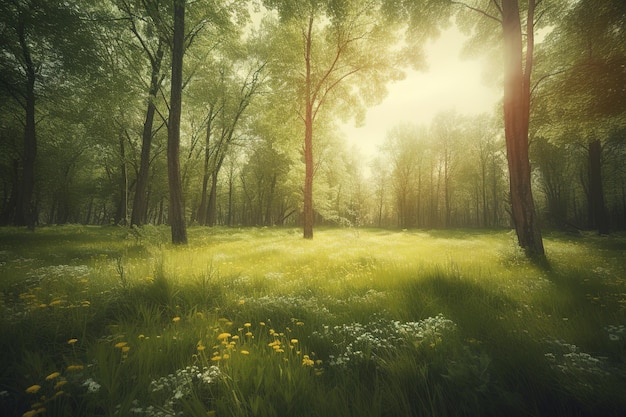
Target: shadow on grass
[{"x": 522, "y": 380}]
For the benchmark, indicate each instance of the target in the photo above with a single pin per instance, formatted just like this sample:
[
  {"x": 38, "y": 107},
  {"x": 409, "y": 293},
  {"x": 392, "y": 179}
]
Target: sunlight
[{"x": 451, "y": 82}]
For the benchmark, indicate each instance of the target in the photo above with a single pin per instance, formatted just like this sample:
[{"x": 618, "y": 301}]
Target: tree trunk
[
  {"x": 176, "y": 207},
  {"x": 597, "y": 210},
  {"x": 308, "y": 142},
  {"x": 516, "y": 120},
  {"x": 212, "y": 207},
  {"x": 202, "y": 210},
  {"x": 140, "y": 202},
  {"x": 25, "y": 211}
]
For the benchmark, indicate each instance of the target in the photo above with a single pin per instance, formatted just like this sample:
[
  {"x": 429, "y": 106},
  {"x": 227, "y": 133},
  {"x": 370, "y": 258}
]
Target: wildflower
[
  {"x": 120, "y": 345},
  {"x": 55, "y": 303},
  {"x": 306, "y": 361},
  {"x": 216, "y": 358},
  {"x": 125, "y": 349},
  {"x": 141, "y": 336},
  {"x": 249, "y": 334},
  {"x": 74, "y": 368},
  {"x": 247, "y": 325},
  {"x": 176, "y": 319},
  {"x": 235, "y": 337},
  {"x": 242, "y": 302},
  {"x": 72, "y": 341},
  {"x": 225, "y": 356},
  {"x": 30, "y": 413},
  {"x": 53, "y": 376},
  {"x": 33, "y": 389},
  {"x": 244, "y": 352},
  {"x": 60, "y": 384},
  {"x": 299, "y": 323},
  {"x": 92, "y": 386},
  {"x": 294, "y": 341},
  {"x": 262, "y": 323},
  {"x": 223, "y": 336}
]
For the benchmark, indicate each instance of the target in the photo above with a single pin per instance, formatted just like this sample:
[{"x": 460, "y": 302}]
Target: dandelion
[
  {"x": 176, "y": 319},
  {"x": 244, "y": 352},
  {"x": 33, "y": 389},
  {"x": 235, "y": 337},
  {"x": 299, "y": 323},
  {"x": 225, "y": 356},
  {"x": 294, "y": 341},
  {"x": 249, "y": 334},
  {"x": 306, "y": 361},
  {"x": 125, "y": 349},
  {"x": 120, "y": 345},
  {"x": 74, "y": 368},
  {"x": 242, "y": 302},
  {"x": 223, "y": 336},
  {"x": 60, "y": 384},
  {"x": 52, "y": 376},
  {"x": 216, "y": 358},
  {"x": 247, "y": 325},
  {"x": 141, "y": 336},
  {"x": 55, "y": 303},
  {"x": 72, "y": 341}
]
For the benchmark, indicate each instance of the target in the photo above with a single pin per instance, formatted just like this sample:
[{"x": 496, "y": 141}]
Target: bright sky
[{"x": 450, "y": 82}]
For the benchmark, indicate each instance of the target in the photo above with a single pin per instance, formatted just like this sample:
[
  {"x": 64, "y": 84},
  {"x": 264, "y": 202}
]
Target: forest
[
  {"x": 165, "y": 165},
  {"x": 87, "y": 136}
]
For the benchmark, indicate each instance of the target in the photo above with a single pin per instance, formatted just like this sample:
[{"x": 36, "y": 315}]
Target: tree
[
  {"x": 583, "y": 92},
  {"x": 339, "y": 40},
  {"x": 518, "y": 65},
  {"x": 176, "y": 205},
  {"x": 29, "y": 65}
]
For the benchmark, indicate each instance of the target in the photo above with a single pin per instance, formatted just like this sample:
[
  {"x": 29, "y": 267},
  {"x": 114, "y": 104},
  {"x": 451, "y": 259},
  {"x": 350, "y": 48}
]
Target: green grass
[{"x": 260, "y": 322}]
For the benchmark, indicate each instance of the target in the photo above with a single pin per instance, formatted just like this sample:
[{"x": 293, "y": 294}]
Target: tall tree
[
  {"x": 339, "y": 41},
  {"x": 518, "y": 64},
  {"x": 176, "y": 204},
  {"x": 584, "y": 91},
  {"x": 40, "y": 43}
]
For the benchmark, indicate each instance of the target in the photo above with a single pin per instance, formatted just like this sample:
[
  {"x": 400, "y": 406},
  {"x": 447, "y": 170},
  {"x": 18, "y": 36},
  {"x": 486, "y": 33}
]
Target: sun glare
[{"x": 449, "y": 83}]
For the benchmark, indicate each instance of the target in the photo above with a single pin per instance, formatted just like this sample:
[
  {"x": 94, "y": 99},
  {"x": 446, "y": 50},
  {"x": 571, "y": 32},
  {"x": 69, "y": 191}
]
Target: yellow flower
[
  {"x": 60, "y": 384},
  {"x": 223, "y": 336},
  {"x": 75, "y": 368},
  {"x": 225, "y": 356},
  {"x": 216, "y": 358},
  {"x": 244, "y": 352},
  {"x": 242, "y": 302},
  {"x": 72, "y": 341},
  {"x": 299, "y": 323},
  {"x": 176, "y": 319},
  {"x": 55, "y": 303},
  {"x": 33, "y": 389},
  {"x": 125, "y": 349},
  {"x": 120, "y": 345},
  {"x": 249, "y": 334},
  {"x": 306, "y": 361},
  {"x": 141, "y": 336},
  {"x": 30, "y": 413},
  {"x": 294, "y": 341},
  {"x": 247, "y": 325},
  {"x": 262, "y": 323},
  {"x": 235, "y": 337},
  {"x": 201, "y": 348},
  {"x": 52, "y": 376}
]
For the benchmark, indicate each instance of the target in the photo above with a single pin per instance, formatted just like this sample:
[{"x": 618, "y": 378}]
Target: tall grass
[{"x": 260, "y": 322}]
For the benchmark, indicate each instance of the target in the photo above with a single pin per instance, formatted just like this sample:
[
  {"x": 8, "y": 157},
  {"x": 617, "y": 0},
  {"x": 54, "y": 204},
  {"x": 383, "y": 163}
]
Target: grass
[{"x": 103, "y": 321}]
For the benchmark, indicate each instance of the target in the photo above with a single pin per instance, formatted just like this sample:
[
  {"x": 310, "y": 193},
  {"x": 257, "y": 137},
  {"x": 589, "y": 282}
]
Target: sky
[{"x": 450, "y": 82}]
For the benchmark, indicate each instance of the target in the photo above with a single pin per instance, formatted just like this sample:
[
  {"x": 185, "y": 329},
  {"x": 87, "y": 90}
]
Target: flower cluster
[
  {"x": 616, "y": 332},
  {"x": 356, "y": 342},
  {"x": 569, "y": 360},
  {"x": 178, "y": 385}
]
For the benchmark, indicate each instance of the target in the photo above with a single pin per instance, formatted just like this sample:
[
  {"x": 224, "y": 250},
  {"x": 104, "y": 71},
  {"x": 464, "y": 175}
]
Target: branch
[{"x": 484, "y": 13}]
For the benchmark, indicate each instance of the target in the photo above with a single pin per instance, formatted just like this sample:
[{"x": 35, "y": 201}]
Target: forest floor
[{"x": 105, "y": 321}]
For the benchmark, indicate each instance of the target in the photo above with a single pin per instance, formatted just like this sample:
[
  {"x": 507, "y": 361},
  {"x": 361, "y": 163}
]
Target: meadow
[{"x": 107, "y": 321}]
